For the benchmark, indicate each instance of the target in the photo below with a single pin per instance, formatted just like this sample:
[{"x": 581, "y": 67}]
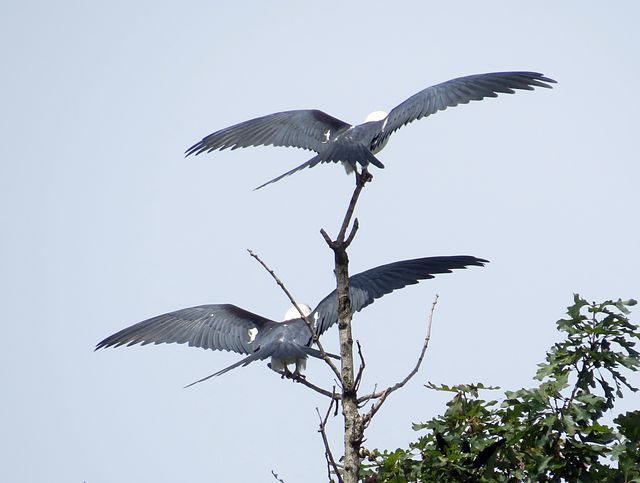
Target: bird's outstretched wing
[
  {"x": 305, "y": 129},
  {"x": 221, "y": 327},
  {"x": 371, "y": 284},
  {"x": 459, "y": 91}
]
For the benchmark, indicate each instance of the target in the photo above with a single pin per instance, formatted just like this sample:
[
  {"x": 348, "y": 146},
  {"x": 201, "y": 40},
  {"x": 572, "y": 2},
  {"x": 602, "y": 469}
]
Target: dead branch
[
  {"x": 331, "y": 462},
  {"x": 361, "y": 368},
  {"x": 382, "y": 396},
  {"x": 362, "y": 402},
  {"x": 303, "y": 380},
  {"x": 275, "y": 475},
  {"x": 352, "y": 234},
  {"x": 362, "y": 179}
]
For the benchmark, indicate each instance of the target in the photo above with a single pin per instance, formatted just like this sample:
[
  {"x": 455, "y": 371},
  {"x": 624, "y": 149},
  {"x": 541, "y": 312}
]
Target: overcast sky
[{"x": 106, "y": 224}]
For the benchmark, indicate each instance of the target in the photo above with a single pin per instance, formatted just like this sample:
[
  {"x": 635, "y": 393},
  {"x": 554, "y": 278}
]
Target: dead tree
[{"x": 357, "y": 411}]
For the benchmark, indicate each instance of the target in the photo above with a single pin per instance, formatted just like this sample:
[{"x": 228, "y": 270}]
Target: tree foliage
[{"x": 552, "y": 432}]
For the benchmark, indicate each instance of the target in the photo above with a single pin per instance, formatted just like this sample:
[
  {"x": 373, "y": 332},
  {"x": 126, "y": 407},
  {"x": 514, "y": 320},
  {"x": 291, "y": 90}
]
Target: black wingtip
[
  {"x": 114, "y": 341},
  {"x": 462, "y": 260},
  {"x": 481, "y": 261},
  {"x": 538, "y": 79},
  {"x": 103, "y": 344},
  {"x": 196, "y": 149},
  {"x": 541, "y": 77},
  {"x": 544, "y": 82}
]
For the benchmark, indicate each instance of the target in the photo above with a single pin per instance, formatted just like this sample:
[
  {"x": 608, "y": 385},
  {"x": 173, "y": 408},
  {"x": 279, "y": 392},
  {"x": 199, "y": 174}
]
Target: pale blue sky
[{"x": 105, "y": 223}]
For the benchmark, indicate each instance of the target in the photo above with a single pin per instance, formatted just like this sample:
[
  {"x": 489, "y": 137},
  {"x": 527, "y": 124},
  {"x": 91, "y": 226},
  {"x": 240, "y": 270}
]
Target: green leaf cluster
[{"x": 552, "y": 432}]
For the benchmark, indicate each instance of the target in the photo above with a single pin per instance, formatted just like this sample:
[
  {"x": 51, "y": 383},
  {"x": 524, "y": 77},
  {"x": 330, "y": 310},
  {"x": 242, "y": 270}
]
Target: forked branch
[{"x": 362, "y": 179}]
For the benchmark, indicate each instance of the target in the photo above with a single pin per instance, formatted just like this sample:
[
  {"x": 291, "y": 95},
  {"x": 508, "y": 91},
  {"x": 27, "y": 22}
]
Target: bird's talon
[{"x": 363, "y": 177}]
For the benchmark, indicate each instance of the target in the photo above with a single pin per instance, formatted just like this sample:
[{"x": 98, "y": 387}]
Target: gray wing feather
[
  {"x": 217, "y": 327},
  {"x": 305, "y": 129},
  {"x": 459, "y": 91},
  {"x": 372, "y": 284}
]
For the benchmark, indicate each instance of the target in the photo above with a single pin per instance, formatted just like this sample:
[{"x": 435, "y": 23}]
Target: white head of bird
[{"x": 293, "y": 312}]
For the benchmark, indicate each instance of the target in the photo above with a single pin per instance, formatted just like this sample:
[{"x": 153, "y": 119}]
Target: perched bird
[
  {"x": 230, "y": 328},
  {"x": 337, "y": 141}
]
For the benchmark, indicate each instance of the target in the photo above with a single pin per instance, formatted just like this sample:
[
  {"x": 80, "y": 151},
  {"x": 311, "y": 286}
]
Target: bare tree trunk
[
  {"x": 353, "y": 428},
  {"x": 353, "y": 425}
]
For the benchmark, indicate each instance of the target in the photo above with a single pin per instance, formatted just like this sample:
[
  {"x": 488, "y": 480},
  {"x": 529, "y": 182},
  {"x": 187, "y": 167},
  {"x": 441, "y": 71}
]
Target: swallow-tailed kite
[
  {"x": 230, "y": 328},
  {"x": 337, "y": 141}
]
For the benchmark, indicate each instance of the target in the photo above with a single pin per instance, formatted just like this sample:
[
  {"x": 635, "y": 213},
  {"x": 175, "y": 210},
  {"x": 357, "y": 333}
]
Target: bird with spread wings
[
  {"x": 231, "y": 328},
  {"x": 336, "y": 141}
]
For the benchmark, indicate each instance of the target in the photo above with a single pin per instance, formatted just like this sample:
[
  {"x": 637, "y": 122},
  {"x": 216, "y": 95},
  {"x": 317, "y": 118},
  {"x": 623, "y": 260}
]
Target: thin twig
[
  {"x": 361, "y": 368},
  {"x": 275, "y": 475},
  {"x": 331, "y": 462},
  {"x": 382, "y": 396},
  {"x": 310, "y": 326},
  {"x": 326, "y": 237},
  {"x": 361, "y": 179},
  {"x": 352, "y": 234},
  {"x": 362, "y": 401}
]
